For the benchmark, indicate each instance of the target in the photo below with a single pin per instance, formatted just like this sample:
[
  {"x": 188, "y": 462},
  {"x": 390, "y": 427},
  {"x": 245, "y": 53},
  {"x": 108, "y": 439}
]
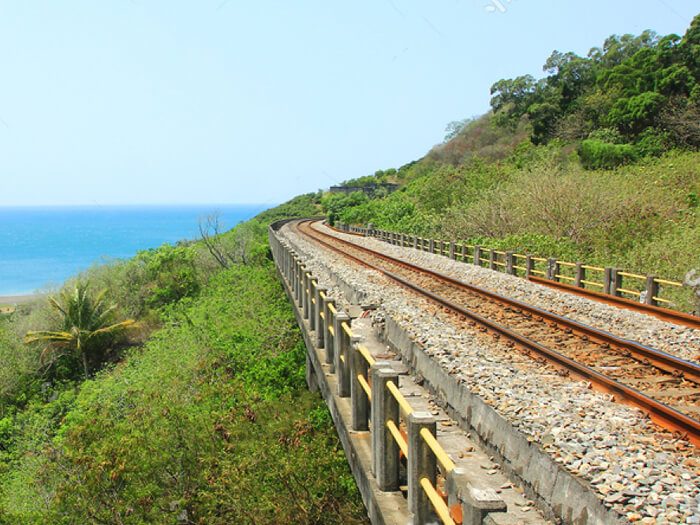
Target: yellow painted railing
[{"x": 642, "y": 288}]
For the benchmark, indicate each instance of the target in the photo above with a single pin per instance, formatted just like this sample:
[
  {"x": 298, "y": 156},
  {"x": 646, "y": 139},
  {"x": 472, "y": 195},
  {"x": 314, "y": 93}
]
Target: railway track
[
  {"x": 660, "y": 312},
  {"x": 664, "y": 386}
]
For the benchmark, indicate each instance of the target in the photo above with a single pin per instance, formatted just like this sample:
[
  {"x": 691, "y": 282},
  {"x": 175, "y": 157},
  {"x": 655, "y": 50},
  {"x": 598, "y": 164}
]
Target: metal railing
[
  {"x": 647, "y": 289},
  {"x": 399, "y": 434}
]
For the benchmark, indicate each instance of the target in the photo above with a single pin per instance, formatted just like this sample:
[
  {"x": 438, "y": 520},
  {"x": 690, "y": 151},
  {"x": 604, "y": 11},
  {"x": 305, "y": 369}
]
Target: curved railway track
[
  {"x": 660, "y": 312},
  {"x": 664, "y": 386}
]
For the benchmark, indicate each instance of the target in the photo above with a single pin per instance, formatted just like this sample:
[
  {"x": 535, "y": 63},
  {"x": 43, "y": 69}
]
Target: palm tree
[{"x": 87, "y": 328}]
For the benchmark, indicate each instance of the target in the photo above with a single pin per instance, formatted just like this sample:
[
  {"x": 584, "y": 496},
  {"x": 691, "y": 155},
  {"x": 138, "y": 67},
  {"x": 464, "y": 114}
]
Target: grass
[{"x": 642, "y": 217}]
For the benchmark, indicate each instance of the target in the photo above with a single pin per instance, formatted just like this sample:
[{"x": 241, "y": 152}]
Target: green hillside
[
  {"x": 169, "y": 388},
  {"x": 598, "y": 161},
  {"x": 201, "y": 415}
]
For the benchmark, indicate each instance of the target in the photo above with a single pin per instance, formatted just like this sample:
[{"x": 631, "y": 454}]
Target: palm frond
[
  {"x": 112, "y": 328},
  {"x": 48, "y": 336},
  {"x": 53, "y": 302}
]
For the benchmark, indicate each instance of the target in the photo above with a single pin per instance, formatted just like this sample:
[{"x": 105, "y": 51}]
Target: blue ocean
[{"x": 43, "y": 246}]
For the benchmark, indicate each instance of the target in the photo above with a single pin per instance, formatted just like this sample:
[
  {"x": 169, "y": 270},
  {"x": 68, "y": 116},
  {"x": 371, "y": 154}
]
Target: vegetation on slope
[
  {"x": 576, "y": 166},
  {"x": 207, "y": 421}
]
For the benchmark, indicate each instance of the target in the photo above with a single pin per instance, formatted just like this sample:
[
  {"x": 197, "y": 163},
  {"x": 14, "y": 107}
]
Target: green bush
[
  {"x": 211, "y": 423},
  {"x": 596, "y": 154},
  {"x": 171, "y": 273},
  {"x": 652, "y": 143},
  {"x": 334, "y": 204}
]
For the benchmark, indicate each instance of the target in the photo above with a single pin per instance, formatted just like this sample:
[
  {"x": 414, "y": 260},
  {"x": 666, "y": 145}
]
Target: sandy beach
[{"x": 17, "y": 299}]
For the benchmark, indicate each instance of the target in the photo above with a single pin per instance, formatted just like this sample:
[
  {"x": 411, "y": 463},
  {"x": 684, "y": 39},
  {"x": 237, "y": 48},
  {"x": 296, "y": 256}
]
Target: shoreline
[{"x": 12, "y": 300}]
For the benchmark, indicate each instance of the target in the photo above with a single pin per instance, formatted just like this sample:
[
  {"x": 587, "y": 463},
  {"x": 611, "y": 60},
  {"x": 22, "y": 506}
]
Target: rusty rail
[{"x": 659, "y": 412}]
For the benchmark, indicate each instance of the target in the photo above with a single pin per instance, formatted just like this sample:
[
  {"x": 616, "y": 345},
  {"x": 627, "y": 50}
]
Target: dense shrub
[{"x": 596, "y": 154}]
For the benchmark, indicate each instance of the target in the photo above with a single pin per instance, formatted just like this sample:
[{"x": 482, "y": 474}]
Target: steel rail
[
  {"x": 662, "y": 360},
  {"x": 660, "y": 413},
  {"x": 664, "y": 314}
]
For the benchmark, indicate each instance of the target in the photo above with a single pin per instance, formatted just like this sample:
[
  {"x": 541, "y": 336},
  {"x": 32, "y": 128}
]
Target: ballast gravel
[
  {"x": 641, "y": 471},
  {"x": 676, "y": 340}
]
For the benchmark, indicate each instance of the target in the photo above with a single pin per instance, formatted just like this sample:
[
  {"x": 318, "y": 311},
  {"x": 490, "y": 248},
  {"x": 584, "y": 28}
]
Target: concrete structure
[
  {"x": 375, "y": 457},
  {"x": 559, "y": 494}
]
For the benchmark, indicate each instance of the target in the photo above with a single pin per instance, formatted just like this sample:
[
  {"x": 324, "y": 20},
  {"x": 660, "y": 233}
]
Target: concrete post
[
  {"x": 340, "y": 354},
  {"x": 529, "y": 266},
  {"x": 329, "y": 338},
  {"x": 580, "y": 275},
  {"x": 552, "y": 269},
  {"x": 608, "y": 280},
  {"x": 492, "y": 259},
  {"x": 385, "y": 450},
  {"x": 301, "y": 270},
  {"x": 421, "y": 464},
  {"x": 320, "y": 322},
  {"x": 476, "y": 503},
  {"x": 292, "y": 270},
  {"x": 293, "y": 277},
  {"x": 306, "y": 296},
  {"x": 431, "y": 245},
  {"x": 415, "y": 242},
  {"x": 477, "y": 255},
  {"x": 288, "y": 264},
  {"x": 616, "y": 283},
  {"x": 297, "y": 284},
  {"x": 464, "y": 253},
  {"x": 311, "y": 380},
  {"x": 651, "y": 291},
  {"x": 510, "y": 270},
  {"x": 358, "y": 398},
  {"x": 312, "y": 305}
]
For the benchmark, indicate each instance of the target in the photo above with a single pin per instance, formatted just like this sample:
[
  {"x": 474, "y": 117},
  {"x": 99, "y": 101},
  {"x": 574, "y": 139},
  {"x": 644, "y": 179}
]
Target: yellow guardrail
[
  {"x": 633, "y": 275},
  {"x": 441, "y": 508},
  {"x": 669, "y": 283},
  {"x": 631, "y": 292},
  {"x": 443, "y": 460},
  {"x": 403, "y": 404},
  {"x": 439, "y": 452},
  {"x": 610, "y": 282},
  {"x": 365, "y": 353},
  {"x": 396, "y": 434},
  {"x": 365, "y": 386}
]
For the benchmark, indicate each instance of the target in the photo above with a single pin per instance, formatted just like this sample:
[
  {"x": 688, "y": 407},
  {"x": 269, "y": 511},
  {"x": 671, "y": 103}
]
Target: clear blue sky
[{"x": 173, "y": 101}]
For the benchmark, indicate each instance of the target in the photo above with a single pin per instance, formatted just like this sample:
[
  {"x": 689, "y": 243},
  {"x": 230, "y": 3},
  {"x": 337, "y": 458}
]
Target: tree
[
  {"x": 510, "y": 99},
  {"x": 87, "y": 327},
  {"x": 210, "y": 234},
  {"x": 455, "y": 127}
]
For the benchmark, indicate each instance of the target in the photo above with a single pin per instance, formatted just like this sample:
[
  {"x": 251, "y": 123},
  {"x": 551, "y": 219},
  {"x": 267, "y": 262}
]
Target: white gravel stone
[
  {"x": 677, "y": 340},
  {"x": 633, "y": 465}
]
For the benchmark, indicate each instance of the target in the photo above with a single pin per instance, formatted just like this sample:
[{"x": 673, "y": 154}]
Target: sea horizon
[{"x": 43, "y": 245}]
